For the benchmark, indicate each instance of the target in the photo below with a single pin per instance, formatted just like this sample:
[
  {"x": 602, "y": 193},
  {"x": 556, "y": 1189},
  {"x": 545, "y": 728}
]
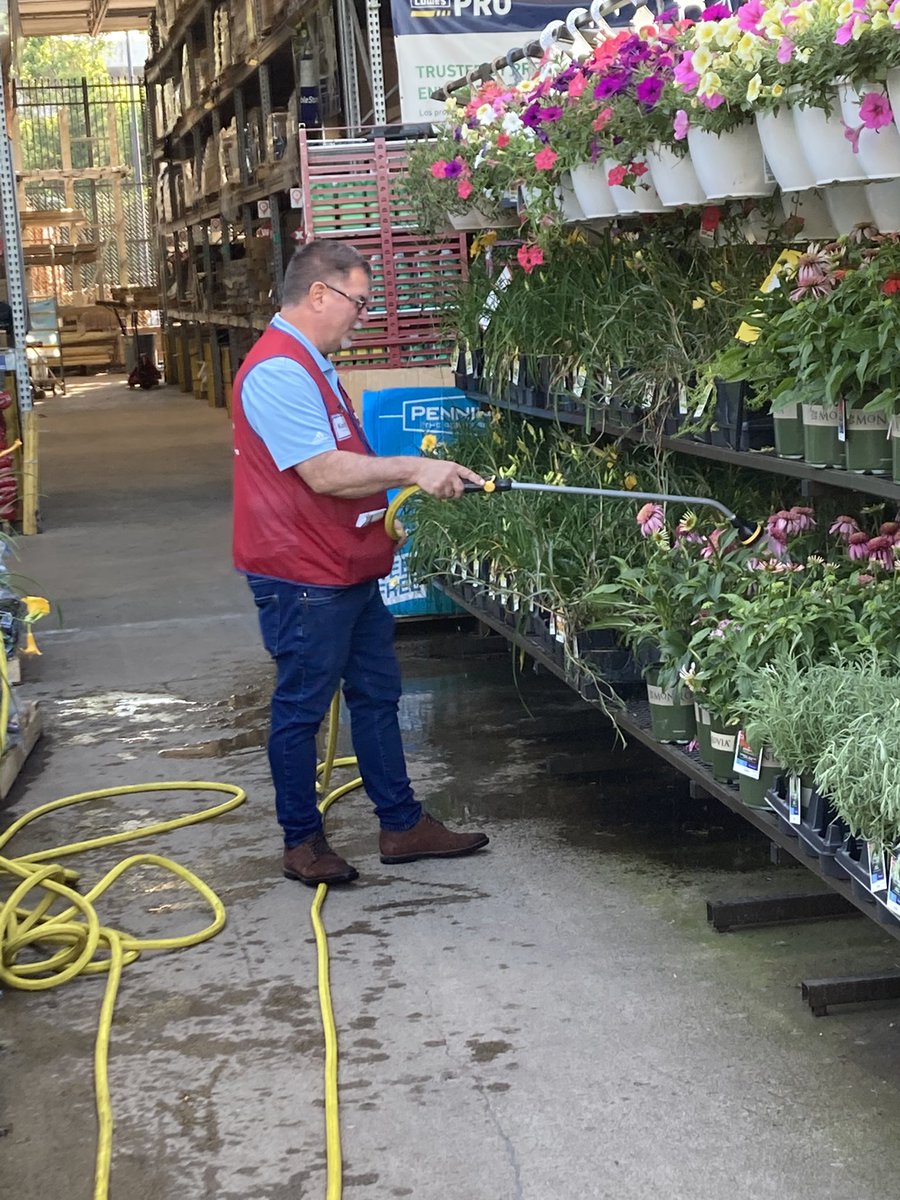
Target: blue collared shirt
[{"x": 283, "y": 406}]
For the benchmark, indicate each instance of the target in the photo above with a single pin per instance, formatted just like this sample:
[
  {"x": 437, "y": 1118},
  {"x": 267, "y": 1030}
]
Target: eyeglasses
[{"x": 361, "y": 302}]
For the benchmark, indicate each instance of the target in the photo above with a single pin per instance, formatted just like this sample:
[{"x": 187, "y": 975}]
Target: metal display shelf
[
  {"x": 634, "y": 720},
  {"x": 871, "y": 485}
]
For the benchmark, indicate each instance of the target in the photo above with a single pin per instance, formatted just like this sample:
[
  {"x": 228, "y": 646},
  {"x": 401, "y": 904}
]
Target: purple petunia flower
[
  {"x": 612, "y": 84},
  {"x": 715, "y": 12},
  {"x": 453, "y": 168},
  {"x": 649, "y": 90},
  {"x": 550, "y": 112},
  {"x": 532, "y": 116}
]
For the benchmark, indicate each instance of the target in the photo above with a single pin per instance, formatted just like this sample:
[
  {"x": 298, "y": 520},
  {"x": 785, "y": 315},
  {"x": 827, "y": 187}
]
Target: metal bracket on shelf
[{"x": 725, "y": 915}]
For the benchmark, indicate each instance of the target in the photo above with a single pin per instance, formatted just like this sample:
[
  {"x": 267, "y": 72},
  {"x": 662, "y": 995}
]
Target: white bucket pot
[
  {"x": 592, "y": 191},
  {"x": 642, "y": 198},
  {"x": 818, "y": 225},
  {"x": 674, "y": 177},
  {"x": 568, "y": 201},
  {"x": 848, "y": 206},
  {"x": 884, "y": 202},
  {"x": 828, "y": 152},
  {"x": 784, "y": 150},
  {"x": 879, "y": 149},
  {"x": 730, "y": 164}
]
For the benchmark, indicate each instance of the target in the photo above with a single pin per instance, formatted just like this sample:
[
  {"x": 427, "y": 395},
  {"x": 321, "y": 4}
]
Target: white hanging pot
[
  {"x": 828, "y": 152},
  {"x": 818, "y": 225},
  {"x": 848, "y": 206},
  {"x": 592, "y": 190},
  {"x": 674, "y": 177},
  {"x": 892, "y": 79},
  {"x": 879, "y": 149},
  {"x": 784, "y": 150},
  {"x": 567, "y": 199},
  {"x": 730, "y": 164},
  {"x": 884, "y": 203},
  {"x": 642, "y": 198},
  {"x": 474, "y": 218}
]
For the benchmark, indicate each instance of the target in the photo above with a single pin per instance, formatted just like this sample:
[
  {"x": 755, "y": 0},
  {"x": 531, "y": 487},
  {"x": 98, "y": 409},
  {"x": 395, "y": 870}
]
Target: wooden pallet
[{"x": 15, "y": 758}]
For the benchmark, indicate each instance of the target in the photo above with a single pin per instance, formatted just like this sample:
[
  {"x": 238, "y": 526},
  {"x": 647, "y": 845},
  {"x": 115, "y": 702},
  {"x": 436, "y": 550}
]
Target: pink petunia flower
[
  {"x": 651, "y": 519},
  {"x": 545, "y": 159},
  {"x": 681, "y": 125},
  {"x": 685, "y": 75},
  {"x": 875, "y": 111},
  {"x": 749, "y": 16},
  {"x": 464, "y": 189},
  {"x": 785, "y": 51},
  {"x": 851, "y": 133},
  {"x": 844, "y": 527},
  {"x": 439, "y": 169},
  {"x": 577, "y": 86},
  {"x": 712, "y": 102},
  {"x": 845, "y": 32},
  {"x": 616, "y": 176}
]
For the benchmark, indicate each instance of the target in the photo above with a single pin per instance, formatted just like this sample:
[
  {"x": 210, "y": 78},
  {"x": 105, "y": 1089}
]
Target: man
[{"x": 309, "y": 505}]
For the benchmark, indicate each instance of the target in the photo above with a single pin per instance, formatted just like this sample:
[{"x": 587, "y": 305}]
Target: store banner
[{"x": 438, "y": 41}]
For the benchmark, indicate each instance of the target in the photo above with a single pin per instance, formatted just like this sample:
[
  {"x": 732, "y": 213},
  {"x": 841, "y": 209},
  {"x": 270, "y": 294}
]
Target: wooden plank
[
  {"x": 73, "y": 173},
  {"x": 32, "y": 726},
  {"x": 118, "y": 207},
  {"x": 48, "y": 218},
  {"x": 58, "y": 254},
  {"x": 30, "y": 480}
]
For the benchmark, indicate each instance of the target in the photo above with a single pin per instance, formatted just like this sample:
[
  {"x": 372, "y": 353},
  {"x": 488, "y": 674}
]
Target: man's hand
[
  {"x": 401, "y": 537},
  {"x": 442, "y": 479}
]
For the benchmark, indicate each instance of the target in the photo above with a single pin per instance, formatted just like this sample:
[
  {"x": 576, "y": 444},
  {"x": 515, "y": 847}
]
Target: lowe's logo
[{"x": 435, "y": 416}]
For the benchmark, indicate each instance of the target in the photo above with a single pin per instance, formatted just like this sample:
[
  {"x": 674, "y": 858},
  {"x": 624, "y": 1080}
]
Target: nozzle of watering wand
[
  {"x": 749, "y": 532},
  {"x": 495, "y": 484}
]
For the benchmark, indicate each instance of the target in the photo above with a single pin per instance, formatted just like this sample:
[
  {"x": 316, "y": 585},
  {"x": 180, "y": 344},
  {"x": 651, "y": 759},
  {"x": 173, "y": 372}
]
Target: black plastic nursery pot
[
  {"x": 853, "y": 859},
  {"x": 737, "y": 426},
  {"x": 895, "y": 448},
  {"x": 703, "y": 720},
  {"x": 820, "y": 831},
  {"x": 671, "y": 712}
]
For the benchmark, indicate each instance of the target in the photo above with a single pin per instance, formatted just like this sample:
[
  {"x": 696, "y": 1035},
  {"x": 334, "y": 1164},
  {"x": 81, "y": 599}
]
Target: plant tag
[
  {"x": 877, "y": 876},
  {"x": 579, "y": 382},
  {"x": 504, "y": 279},
  {"x": 560, "y": 629},
  {"x": 842, "y": 420},
  {"x": 516, "y": 371},
  {"x": 470, "y": 363},
  {"x": 746, "y": 762},
  {"x": 552, "y": 624},
  {"x": 515, "y": 602},
  {"x": 794, "y": 798},
  {"x": 893, "y": 887}
]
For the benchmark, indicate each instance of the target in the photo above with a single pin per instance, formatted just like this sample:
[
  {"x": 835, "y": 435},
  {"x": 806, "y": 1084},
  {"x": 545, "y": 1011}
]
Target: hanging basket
[
  {"x": 730, "y": 165},
  {"x": 883, "y": 200},
  {"x": 674, "y": 177},
  {"x": 784, "y": 150},
  {"x": 642, "y": 198},
  {"x": 829, "y": 154},
  {"x": 848, "y": 206},
  {"x": 592, "y": 191},
  {"x": 810, "y": 206},
  {"x": 879, "y": 149}
]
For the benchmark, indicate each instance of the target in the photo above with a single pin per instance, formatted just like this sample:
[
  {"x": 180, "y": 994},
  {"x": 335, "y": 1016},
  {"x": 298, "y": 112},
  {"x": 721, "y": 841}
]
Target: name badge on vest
[{"x": 340, "y": 427}]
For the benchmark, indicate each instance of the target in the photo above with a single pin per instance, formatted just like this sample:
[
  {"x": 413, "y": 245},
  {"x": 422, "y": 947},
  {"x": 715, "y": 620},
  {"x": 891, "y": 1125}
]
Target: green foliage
[{"x": 62, "y": 57}]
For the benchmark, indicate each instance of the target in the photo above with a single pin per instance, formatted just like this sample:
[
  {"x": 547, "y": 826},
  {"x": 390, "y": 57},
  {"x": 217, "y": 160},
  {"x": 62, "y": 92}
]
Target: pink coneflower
[
  {"x": 801, "y": 519},
  {"x": 857, "y": 546},
  {"x": 779, "y": 525},
  {"x": 712, "y": 544},
  {"x": 864, "y": 578},
  {"x": 890, "y": 529},
  {"x": 844, "y": 527},
  {"x": 881, "y": 552},
  {"x": 651, "y": 519}
]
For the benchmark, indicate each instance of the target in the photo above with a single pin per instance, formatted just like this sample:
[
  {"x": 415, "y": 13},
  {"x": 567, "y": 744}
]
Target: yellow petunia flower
[
  {"x": 702, "y": 60},
  {"x": 754, "y": 87},
  {"x": 710, "y": 83},
  {"x": 777, "y": 90}
]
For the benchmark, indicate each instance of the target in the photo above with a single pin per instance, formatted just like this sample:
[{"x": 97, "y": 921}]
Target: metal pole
[
  {"x": 373, "y": 29},
  {"x": 349, "y": 73}
]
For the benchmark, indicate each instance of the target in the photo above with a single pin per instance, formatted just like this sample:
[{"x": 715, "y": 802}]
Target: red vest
[{"x": 282, "y": 528}]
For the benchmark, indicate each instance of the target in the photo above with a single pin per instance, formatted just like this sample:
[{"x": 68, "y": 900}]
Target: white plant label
[{"x": 794, "y": 811}]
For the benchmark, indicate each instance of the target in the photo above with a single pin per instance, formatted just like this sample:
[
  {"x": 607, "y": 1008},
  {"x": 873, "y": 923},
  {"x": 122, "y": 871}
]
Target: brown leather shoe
[
  {"x": 314, "y": 862},
  {"x": 428, "y": 839}
]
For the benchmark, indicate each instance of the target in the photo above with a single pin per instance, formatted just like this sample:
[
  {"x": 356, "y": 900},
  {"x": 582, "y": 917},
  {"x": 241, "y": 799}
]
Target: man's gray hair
[{"x": 319, "y": 260}]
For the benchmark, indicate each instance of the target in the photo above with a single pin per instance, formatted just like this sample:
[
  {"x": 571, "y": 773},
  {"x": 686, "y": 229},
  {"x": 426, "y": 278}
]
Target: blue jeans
[{"x": 319, "y": 636}]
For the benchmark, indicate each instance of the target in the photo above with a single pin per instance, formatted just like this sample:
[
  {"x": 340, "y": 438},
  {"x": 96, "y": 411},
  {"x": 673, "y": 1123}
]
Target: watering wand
[{"x": 749, "y": 532}]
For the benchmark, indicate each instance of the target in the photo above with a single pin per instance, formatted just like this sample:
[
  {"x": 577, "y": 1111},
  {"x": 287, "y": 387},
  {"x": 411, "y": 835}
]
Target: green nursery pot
[
  {"x": 895, "y": 447},
  {"x": 671, "y": 713},
  {"x": 722, "y": 741},
  {"x": 868, "y": 445},
  {"x": 753, "y": 791},
  {"x": 821, "y": 445},
  {"x": 703, "y": 721},
  {"x": 789, "y": 432}
]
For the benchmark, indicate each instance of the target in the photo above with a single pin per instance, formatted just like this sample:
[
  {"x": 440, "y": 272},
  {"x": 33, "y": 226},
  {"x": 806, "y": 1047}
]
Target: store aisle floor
[{"x": 551, "y": 1019}]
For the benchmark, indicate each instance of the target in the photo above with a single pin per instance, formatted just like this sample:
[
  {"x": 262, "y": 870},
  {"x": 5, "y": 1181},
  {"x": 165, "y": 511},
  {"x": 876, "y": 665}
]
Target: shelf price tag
[
  {"x": 794, "y": 798},
  {"x": 842, "y": 420}
]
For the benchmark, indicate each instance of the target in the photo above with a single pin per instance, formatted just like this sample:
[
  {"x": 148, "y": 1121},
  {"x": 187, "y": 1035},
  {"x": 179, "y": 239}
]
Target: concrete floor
[{"x": 552, "y": 1019}]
